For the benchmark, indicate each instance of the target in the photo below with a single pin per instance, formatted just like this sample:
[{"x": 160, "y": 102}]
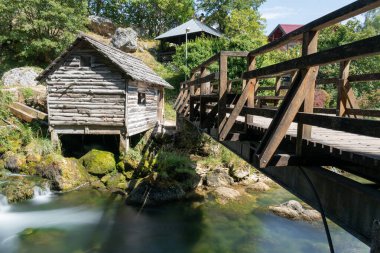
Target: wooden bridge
[{"x": 283, "y": 135}]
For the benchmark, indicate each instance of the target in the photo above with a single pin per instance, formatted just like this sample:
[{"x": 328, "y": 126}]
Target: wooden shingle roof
[{"x": 127, "y": 63}]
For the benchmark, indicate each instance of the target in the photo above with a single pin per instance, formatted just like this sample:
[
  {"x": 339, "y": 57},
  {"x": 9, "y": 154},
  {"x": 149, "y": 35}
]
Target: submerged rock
[
  {"x": 65, "y": 173},
  {"x": 101, "y": 25},
  {"x": 125, "y": 39},
  {"x": 218, "y": 177},
  {"x": 146, "y": 193},
  {"x": 223, "y": 194},
  {"x": 99, "y": 162},
  {"x": 258, "y": 187},
  {"x": 295, "y": 211},
  {"x": 24, "y": 76}
]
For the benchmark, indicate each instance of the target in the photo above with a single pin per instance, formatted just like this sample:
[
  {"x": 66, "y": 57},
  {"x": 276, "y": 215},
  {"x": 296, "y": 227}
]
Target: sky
[{"x": 297, "y": 11}]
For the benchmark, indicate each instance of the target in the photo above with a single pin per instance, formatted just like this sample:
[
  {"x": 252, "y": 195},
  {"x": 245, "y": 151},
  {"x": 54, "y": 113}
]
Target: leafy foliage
[
  {"x": 149, "y": 17},
  {"x": 38, "y": 30},
  {"x": 217, "y": 12}
]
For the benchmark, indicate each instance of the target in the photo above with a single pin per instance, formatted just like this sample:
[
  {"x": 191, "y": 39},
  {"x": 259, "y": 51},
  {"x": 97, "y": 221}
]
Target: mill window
[{"x": 141, "y": 98}]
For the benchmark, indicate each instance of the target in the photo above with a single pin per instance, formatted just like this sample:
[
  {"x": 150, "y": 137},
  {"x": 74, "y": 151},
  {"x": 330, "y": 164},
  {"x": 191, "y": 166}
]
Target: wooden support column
[
  {"x": 222, "y": 98},
  {"x": 124, "y": 143},
  {"x": 251, "y": 65},
  {"x": 309, "y": 46},
  {"x": 205, "y": 89},
  {"x": 55, "y": 140},
  {"x": 375, "y": 243},
  {"x": 160, "y": 107},
  {"x": 187, "y": 100},
  {"x": 190, "y": 109}
]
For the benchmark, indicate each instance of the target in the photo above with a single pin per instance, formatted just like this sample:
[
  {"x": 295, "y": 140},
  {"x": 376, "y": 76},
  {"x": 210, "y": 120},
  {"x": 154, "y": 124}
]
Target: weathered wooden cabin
[{"x": 96, "y": 89}]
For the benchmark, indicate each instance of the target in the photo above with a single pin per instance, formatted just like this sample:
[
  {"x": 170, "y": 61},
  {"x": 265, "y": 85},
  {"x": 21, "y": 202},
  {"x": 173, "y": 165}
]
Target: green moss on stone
[
  {"x": 116, "y": 180},
  {"x": 99, "y": 162}
]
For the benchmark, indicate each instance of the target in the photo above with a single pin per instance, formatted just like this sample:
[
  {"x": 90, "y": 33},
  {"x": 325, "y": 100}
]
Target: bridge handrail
[{"x": 330, "y": 19}]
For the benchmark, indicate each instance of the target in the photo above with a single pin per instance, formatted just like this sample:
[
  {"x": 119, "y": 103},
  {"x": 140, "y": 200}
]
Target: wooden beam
[
  {"x": 251, "y": 65},
  {"x": 309, "y": 46},
  {"x": 235, "y": 53},
  {"x": 357, "y": 49},
  {"x": 332, "y": 18},
  {"x": 203, "y": 79},
  {"x": 284, "y": 117},
  {"x": 341, "y": 104},
  {"x": 222, "y": 100}
]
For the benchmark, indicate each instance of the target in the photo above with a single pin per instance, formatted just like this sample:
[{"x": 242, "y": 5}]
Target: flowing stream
[{"x": 90, "y": 221}]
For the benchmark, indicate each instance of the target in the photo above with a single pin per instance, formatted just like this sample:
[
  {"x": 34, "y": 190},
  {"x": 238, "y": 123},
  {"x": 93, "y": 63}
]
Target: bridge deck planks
[{"x": 346, "y": 142}]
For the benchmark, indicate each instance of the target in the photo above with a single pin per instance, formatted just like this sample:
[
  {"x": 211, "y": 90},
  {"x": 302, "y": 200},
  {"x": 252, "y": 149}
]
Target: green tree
[
  {"x": 37, "y": 31},
  {"x": 149, "y": 17},
  {"x": 216, "y": 12}
]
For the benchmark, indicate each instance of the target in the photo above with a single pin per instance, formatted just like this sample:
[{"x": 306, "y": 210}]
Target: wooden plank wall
[
  {"x": 86, "y": 96},
  {"x": 141, "y": 117}
]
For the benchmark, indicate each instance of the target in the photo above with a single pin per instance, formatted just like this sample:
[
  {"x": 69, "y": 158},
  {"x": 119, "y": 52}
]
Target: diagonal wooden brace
[
  {"x": 237, "y": 109},
  {"x": 284, "y": 117}
]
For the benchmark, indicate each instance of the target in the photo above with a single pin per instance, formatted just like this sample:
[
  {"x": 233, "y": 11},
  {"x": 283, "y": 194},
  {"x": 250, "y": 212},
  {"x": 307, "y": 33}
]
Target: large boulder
[
  {"x": 14, "y": 162},
  {"x": 125, "y": 39},
  {"x": 65, "y": 173},
  {"x": 100, "y": 25},
  {"x": 99, "y": 162},
  {"x": 17, "y": 188},
  {"x": 218, "y": 177},
  {"x": 24, "y": 76}
]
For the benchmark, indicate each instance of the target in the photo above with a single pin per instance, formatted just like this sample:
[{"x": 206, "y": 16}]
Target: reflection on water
[{"x": 89, "y": 221}]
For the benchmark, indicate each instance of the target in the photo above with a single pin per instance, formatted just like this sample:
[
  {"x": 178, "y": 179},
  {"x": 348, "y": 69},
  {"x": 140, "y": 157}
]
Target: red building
[{"x": 281, "y": 30}]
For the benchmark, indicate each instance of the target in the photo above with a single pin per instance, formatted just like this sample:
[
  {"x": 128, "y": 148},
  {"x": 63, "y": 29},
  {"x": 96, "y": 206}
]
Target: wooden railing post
[
  {"x": 309, "y": 46},
  {"x": 277, "y": 89},
  {"x": 341, "y": 103},
  {"x": 205, "y": 89},
  {"x": 222, "y": 98},
  {"x": 190, "y": 109},
  {"x": 251, "y": 65}
]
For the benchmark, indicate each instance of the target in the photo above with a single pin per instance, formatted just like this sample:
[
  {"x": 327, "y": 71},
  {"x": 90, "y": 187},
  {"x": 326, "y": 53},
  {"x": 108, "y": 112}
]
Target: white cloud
[{"x": 277, "y": 12}]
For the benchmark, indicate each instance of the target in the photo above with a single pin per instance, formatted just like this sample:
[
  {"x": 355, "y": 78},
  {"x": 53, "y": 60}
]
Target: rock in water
[
  {"x": 146, "y": 193},
  {"x": 295, "y": 211},
  {"x": 65, "y": 173},
  {"x": 258, "y": 187},
  {"x": 125, "y": 39},
  {"x": 218, "y": 177},
  {"x": 99, "y": 162},
  {"x": 24, "y": 76},
  {"x": 226, "y": 193},
  {"x": 100, "y": 25}
]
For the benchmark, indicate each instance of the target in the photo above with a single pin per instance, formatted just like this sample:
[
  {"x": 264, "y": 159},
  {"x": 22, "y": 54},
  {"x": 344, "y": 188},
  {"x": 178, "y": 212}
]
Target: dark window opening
[
  {"x": 85, "y": 61},
  {"x": 141, "y": 98}
]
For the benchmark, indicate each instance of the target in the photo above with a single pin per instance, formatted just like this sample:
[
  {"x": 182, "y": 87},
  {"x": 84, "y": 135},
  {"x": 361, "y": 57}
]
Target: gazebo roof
[{"x": 194, "y": 25}]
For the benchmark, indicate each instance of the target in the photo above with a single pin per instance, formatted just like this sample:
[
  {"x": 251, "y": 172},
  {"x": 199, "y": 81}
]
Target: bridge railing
[{"x": 216, "y": 107}]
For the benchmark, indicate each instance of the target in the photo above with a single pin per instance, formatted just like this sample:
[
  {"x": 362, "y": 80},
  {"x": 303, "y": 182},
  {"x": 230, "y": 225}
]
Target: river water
[{"x": 89, "y": 221}]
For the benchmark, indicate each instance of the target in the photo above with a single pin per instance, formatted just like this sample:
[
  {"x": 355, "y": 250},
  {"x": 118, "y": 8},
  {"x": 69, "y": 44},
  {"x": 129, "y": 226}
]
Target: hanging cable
[{"x": 326, "y": 226}]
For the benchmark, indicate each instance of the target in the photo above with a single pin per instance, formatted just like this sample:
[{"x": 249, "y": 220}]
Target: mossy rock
[
  {"x": 131, "y": 160},
  {"x": 65, "y": 173},
  {"x": 115, "y": 181},
  {"x": 14, "y": 162},
  {"x": 99, "y": 162},
  {"x": 17, "y": 189}
]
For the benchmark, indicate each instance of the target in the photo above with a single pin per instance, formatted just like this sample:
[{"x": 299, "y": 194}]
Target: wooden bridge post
[
  {"x": 309, "y": 46},
  {"x": 190, "y": 108},
  {"x": 160, "y": 108},
  {"x": 222, "y": 98},
  {"x": 346, "y": 97},
  {"x": 205, "y": 89},
  {"x": 277, "y": 89},
  {"x": 251, "y": 65}
]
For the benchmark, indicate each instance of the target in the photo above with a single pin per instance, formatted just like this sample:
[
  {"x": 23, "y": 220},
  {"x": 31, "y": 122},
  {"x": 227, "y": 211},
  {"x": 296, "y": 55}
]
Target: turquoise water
[{"x": 89, "y": 221}]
